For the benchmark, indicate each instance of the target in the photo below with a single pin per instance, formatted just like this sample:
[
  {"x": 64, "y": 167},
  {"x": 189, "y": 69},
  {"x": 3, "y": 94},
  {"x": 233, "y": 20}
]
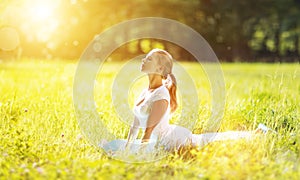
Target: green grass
[{"x": 40, "y": 136}]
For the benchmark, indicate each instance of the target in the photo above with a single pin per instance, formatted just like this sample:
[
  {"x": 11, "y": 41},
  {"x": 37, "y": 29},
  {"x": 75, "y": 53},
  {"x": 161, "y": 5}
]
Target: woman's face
[{"x": 150, "y": 64}]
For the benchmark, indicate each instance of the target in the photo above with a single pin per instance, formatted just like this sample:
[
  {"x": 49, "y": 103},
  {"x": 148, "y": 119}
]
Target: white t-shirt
[{"x": 169, "y": 136}]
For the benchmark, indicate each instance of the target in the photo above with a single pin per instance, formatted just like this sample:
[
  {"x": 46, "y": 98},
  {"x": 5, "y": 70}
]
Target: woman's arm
[
  {"x": 157, "y": 111},
  {"x": 133, "y": 132}
]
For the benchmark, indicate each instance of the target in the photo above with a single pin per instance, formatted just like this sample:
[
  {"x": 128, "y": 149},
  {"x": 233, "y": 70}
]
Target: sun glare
[
  {"x": 40, "y": 11},
  {"x": 40, "y": 19}
]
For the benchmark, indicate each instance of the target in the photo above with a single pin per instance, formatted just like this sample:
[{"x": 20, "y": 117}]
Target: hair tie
[{"x": 172, "y": 78}]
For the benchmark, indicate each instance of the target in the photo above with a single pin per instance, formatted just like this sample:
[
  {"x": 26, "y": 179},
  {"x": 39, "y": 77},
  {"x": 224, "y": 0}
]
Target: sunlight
[
  {"x": 40, "y": 12},
  {"x": 41, "y": 19}
]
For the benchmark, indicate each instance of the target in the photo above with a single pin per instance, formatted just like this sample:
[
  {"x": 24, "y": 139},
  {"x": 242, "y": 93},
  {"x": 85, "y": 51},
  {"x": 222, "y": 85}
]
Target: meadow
[{"x": 41, "y": 138}]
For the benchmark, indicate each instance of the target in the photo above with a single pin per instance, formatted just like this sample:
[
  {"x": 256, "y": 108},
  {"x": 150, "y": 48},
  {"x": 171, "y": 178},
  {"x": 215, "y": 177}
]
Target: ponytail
[{"x": 172, "y": 87}]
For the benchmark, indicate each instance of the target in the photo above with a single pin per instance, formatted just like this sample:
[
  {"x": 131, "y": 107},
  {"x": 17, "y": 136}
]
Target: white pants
[{"x": 203, "y": 139}]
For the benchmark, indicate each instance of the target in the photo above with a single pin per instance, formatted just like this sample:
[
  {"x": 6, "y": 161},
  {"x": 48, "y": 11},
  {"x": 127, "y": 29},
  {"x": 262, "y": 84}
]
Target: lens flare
[{"x": 40, "y": 12}]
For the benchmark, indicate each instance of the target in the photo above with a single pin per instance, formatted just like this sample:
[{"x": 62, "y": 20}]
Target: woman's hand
[{"x": 144, "y": 145}]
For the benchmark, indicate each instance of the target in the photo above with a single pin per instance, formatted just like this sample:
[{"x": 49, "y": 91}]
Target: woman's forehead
[{"x": 150, "y": 54}]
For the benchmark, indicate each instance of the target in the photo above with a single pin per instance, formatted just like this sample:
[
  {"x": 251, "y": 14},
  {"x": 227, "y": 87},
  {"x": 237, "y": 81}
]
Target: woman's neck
[{"x": 155, "y": 81}]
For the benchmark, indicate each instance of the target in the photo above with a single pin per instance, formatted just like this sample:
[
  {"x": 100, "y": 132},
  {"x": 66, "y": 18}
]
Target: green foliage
[
  {"x": 41, "y": 139},
  {"x": 236, "y": 30}
]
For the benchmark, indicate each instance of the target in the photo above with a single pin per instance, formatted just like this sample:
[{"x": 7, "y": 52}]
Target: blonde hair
[{"x": 165, "y": 59}]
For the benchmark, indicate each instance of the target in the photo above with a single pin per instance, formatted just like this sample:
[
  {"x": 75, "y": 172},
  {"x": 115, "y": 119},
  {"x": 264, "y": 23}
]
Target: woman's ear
[{"x": 161, "y": 69}]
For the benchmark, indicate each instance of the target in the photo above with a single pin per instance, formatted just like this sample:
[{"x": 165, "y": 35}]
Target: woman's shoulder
[
  {"x": 163, "y": 89},
  {"x": 161, "y": 93}
]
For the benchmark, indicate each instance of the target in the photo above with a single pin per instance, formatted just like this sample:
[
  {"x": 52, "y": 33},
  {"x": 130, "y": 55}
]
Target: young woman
[{"x": 155, "y": 104}]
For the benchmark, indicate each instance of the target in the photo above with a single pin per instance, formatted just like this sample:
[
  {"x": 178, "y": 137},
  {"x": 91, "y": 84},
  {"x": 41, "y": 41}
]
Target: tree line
[{"x": 261, "y": 30}]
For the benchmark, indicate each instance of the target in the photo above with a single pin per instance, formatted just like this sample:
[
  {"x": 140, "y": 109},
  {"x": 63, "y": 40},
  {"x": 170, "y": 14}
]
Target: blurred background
[{"x": 244, "y": 30}]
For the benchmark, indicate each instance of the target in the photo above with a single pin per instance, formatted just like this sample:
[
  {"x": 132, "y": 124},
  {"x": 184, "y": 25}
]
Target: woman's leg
[{"x": 203, "y": 139}]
